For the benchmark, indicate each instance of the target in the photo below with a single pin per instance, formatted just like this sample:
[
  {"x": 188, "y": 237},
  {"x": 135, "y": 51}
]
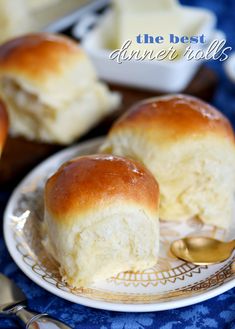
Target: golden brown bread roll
[
  {"x": 189, "y": 147},
  {"x": 101, "y": 218},
  {"x": 51, "y": 89},
  {"x": 3, "y": 125}
]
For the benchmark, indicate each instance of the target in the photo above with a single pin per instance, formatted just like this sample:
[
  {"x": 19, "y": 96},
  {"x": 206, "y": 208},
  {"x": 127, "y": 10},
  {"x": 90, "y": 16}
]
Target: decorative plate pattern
[{"x": 170, "y": 283}]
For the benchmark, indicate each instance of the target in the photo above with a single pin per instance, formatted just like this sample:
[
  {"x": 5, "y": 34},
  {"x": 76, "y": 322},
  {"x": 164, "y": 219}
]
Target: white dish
[
  {"x": 170, "y": 284},
  {"x": 64, "y": 14},
  {"x": 153, "y": 75}
]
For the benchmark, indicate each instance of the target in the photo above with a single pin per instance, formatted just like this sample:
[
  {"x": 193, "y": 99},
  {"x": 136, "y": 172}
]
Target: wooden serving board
[{"x": 20, "y": 156}]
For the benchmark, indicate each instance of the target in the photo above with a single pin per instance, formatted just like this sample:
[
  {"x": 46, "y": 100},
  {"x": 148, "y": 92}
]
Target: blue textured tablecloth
[{"x": 218, "y": 312}]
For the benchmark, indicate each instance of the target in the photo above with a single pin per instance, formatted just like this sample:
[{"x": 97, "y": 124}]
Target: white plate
[{"x": 169, "y": 284}]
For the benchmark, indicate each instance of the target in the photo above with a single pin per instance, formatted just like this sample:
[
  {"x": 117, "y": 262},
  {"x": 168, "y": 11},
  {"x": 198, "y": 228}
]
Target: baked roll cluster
[
  {"x": 3, "y": 125},
  {"x": 101, "y": 218},
  {"x": 101, "y": 211},
  {"x": 51, "y": 89},
  {"x": 189, "y": 147}
]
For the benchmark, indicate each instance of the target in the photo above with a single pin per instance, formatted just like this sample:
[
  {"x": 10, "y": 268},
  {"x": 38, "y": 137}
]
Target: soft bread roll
[
  {"x": 51, "y": 89},
  {"x": 189, "y": 147},
  {"x": 101, "y": 218},
  {"x": 3, "y": 125}
]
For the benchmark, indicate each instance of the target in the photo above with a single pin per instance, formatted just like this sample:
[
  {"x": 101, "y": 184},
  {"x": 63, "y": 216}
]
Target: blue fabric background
[{"x": 216, "y": 313}]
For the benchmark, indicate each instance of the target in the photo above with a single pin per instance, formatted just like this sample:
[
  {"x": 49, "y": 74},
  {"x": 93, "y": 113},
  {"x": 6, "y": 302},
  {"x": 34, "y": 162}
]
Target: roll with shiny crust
[
  {"x": 101, "y": 218},
  {"x": 51, "y": 88},
  {"x": 3, "y": 125},
  {"x": 189, "y": 147}
]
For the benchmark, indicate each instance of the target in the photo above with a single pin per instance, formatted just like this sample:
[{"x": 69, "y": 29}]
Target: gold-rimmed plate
[{"x": 169, "y": 284}]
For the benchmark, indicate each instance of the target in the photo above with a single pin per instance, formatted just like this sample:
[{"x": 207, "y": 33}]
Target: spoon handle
[{"x": 32, "y": 320}]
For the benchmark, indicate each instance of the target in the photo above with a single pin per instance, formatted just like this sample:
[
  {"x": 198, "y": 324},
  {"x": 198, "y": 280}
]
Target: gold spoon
[{"x": 202, "y": 250}]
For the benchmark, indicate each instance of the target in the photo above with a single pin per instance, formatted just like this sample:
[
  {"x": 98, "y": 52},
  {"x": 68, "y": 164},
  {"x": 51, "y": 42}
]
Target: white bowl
[{"x": 152, "y": 75}]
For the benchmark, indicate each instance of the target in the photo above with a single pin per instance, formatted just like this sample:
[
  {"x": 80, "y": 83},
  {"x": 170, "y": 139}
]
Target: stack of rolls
[{"x": 102, "y": 211}]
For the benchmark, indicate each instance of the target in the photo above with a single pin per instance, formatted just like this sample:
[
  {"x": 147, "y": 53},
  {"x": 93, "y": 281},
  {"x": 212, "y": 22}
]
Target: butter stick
[
  {"x": 146, "y": 5},
  {"x": 149, "y": 26}
]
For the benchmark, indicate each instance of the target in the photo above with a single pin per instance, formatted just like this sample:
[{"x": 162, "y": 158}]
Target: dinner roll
[
  {"x": 189, "y": 147},
  {"x": 51, "y": 88},
  {"x": 101, "y": 218},
  {"x": 3, "y": 125}
]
